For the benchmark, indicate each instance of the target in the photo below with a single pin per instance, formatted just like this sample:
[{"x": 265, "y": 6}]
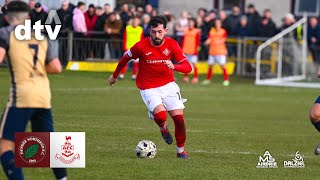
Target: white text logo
[
  {"x": 297, "y": 162},
  {"x": 38, "y": 27},
  {"x": 267, "y": 161}
]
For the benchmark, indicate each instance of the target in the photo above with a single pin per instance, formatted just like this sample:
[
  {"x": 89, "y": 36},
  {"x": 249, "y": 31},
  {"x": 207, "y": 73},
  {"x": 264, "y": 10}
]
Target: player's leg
[
  {"x": 12, "y": 120},
  {"x": 194, "y": 61},
  {"x": 174, "y": 104},
  {"x": 211, "y": 62},
  {"x": 186, "y": 75},
  {"x": 222, "y": 60},
  {"x": 123, "y": 71},
  {"x": 135, "y": 69},
  {"x": 157, "y": 111},
  {"x": 41, "y": 121}
]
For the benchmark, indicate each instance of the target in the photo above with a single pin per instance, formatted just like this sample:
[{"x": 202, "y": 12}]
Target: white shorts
[
  {"x": 192, "y": 58},
  {"x": 169, "y": 95},
  {"x": 220, "y": 59}
]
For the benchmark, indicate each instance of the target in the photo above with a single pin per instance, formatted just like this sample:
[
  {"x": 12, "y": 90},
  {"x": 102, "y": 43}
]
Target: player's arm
[
  {"x": 3, "y": 47},
  {"x": 130, "y": 54},
  {"x": 53, "y": 65},
  {"x": 183, "y": 64},
  {"x": 2, "y": 54},
  {"x": 319, "y": 72}
]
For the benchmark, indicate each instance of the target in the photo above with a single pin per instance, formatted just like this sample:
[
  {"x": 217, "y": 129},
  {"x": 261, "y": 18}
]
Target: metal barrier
[{"x": 97, "y": 47}]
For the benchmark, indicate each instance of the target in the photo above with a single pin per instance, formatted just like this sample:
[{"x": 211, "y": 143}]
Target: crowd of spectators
[{"x": 96, "y": 21}]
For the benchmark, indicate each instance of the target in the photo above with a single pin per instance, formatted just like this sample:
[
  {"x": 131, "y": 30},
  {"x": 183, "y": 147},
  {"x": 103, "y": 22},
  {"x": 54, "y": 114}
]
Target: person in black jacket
[
  {"x": 38, "y": 14},
  {"x": 3, "y": 21},
  {"x": 254, "y": 19},
  {"x": 233, "y": 20},
  {"x": 266, "y": 28},
  {"x": 65, "y": 16}
]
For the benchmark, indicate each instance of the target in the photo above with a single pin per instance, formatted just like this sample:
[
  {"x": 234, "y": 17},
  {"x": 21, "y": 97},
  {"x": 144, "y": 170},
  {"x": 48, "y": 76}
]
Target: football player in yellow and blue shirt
[{"x": 29, "y": 63}]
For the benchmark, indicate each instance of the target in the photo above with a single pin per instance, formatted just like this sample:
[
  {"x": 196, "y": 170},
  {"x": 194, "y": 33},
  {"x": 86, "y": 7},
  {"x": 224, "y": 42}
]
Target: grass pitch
[{"x": 228, "y": 128}]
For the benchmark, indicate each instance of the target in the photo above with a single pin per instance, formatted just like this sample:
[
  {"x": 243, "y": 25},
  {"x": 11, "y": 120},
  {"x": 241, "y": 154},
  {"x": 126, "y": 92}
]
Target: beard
[{"x": 157, "y": 41}]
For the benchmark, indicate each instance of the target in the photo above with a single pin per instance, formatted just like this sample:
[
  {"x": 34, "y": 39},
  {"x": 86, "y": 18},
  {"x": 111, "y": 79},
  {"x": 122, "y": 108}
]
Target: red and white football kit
[{"x": 155, "y": 80}]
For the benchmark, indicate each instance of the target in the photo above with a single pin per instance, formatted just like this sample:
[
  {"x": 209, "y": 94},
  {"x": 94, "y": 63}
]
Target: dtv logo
[{"x": 23, "y": 32}]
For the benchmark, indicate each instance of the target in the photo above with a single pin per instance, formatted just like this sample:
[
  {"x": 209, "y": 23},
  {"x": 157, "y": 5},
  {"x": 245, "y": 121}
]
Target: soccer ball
[{"x": 146, "y": 149}]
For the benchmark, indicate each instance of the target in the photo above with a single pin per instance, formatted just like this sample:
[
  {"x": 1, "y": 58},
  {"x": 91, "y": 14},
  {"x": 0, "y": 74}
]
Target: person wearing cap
[
  {"x": 38, "y": 14},
  {"x": 30, "y": 96}
]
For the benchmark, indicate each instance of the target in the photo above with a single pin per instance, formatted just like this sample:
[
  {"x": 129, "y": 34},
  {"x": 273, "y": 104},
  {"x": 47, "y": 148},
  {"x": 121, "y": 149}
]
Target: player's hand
[
  {"x": 112, "y": 80},
  {"x": 169, "y": 64}
]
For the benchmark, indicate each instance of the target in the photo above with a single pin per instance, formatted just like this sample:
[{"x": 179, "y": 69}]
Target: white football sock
[{"x": 180, "y": 149}]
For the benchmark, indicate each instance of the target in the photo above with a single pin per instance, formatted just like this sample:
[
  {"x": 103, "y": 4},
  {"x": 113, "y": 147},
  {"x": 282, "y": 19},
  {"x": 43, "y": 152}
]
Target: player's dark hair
[
  {"x": 18, "y": 6},
  {"x": 156, "y": 20},
  {"x": 194, "y": 21}
]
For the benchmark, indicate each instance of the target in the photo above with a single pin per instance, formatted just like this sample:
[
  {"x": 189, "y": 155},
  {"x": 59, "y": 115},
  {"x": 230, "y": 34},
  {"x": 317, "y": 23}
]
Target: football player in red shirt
[{"x": 155, "y": 79}]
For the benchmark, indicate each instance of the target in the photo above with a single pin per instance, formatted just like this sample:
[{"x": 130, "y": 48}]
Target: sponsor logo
[
  {"x": 148, "y": 53},
  {"x": 297, "y": 162},
  {"x": 267, "y": 161},
  {"x": 166, "y": 52},
  {"x": 156, "y": 61}
]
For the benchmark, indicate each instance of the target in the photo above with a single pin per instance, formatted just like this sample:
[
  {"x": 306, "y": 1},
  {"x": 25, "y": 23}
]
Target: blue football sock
[
  {"x": 60, "y": 172},
  {"x": 317, "y": 125},
  {"x": 7, "y": 161}
]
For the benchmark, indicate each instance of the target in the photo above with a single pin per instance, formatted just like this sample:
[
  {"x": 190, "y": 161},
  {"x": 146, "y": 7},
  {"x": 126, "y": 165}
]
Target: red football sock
[
  {"x": 124, "y": 69},
  {"x": 209, "y": 75},
  {"x": 160, "y": 118},
  {"x": 185, "y": 74},
  {"x": 180, "y": 130},
  {"x": 225, "y": 74},
  {"x": 195, "y": 71},
  {"x": 135, "y": 68}
]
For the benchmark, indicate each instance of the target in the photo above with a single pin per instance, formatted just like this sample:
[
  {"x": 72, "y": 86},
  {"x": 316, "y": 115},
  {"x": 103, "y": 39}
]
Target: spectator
[
  {"x": 65, "y": 16},
  {"x": 314, "y": 38},
  {"x": 254, "y": 19},
  {"x": 112, "y": 28},
  {"x": 90, "y": 18},
  {"x": 32, "y": 3},
  {"x": 133, "y": 33},
  {"x": 124, "y": 15},
  {"x": 148, "y": 9},
  {"x": 190, "y": 46},
  {"x": 38, "y": 14},
  {"x": 3, "y": 22},
  {"x": 205, "y": 28},
  {"x": 139, "y": 12},
  {"x": 99, "y": 26},
  {"x": 78, "y": 20},
  {"x": 132, "y": 11},
  {"x": 170, "y": 25},
  {"x": 4, "y": 8},
  {"x": 154, "y": 13},
  {"x": 99, "y": 11},
  {"x": 266, "y": 28},
  {"x": 223, "y": 18},
  {"x": 145, "y": 25},
  {"x": 288, "y": 20},
  {"x": 80, "y": 29},
  {"x": 267, "y": 14},
  {"x": 181, "y": 26},
  {"x": 201, "y": 13},
  {"x": 233, "y": 20},
  {"x": 243, "y": 29}
]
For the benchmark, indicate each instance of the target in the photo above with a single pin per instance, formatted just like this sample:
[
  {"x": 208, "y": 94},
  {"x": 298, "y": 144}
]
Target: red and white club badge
[
  {"x": 67, "y": 156},
  {"x": 67, "y": 150}
]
